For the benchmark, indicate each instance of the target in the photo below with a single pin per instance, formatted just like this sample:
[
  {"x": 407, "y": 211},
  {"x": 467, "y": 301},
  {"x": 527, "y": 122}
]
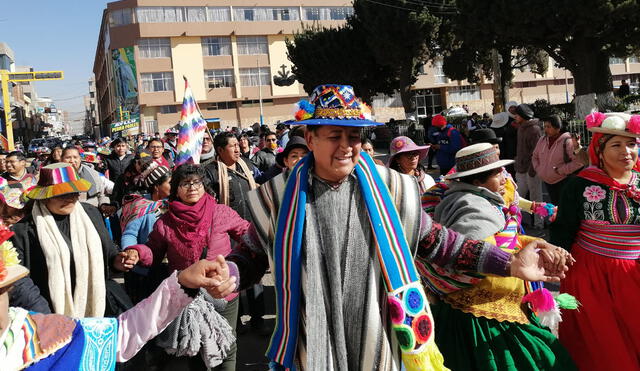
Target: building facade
[{"x": 229, "y": 52}]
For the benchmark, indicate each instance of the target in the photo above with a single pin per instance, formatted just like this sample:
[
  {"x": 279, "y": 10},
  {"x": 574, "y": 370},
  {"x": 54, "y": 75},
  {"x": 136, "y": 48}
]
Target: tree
[
  {"x": 338, "y": 55},
  {"x": 471, "y": 51},
  {"x": 579, "y": 35},
  {"x": 402, "y": 36}
]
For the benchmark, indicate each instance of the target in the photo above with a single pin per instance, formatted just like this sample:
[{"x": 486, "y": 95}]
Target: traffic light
[{"x": 15, "y": 114}]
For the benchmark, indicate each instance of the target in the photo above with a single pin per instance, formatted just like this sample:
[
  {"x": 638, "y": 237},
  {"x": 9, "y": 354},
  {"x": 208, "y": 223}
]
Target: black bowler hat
[
  {"x": 294, "y": 142},
  {"x": 484, "y": 136},
  {"x": 524, "y": 111}
]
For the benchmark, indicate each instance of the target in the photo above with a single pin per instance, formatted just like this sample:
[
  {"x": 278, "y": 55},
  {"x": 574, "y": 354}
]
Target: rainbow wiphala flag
[{"x": 192, "y": 129}]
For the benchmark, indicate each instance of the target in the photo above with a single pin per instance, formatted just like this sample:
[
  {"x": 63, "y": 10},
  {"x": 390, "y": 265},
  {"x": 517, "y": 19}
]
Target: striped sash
[
  {"x": 617, "y": 241},
  {"x": 407, "y": 303}
]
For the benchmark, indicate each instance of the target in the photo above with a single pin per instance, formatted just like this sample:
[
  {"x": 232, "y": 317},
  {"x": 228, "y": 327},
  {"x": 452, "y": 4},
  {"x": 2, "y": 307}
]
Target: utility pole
[
  {"x": 260, "y": 91},
  {"x": 7, "y": 77}
]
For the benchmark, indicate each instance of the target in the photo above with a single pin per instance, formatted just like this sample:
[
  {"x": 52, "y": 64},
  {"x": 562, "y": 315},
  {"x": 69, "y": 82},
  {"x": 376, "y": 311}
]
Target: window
[
  {"x": 438, "y": 73},
  {"x": 196, "y": 14},
  {"x": 634, "y": 59},
  {"x": 150, "y": 126},
  {"x": 219, "y": 79},
  {"x": 527, "y": 84},
  {"x": 221, "y": 105},
  {"x": 216, "y": 46},
  {"x": 327, "y": 13},
  {"x": 155, "y": 48},
  {"x": 120, "y": 17},
  {"x": 218, "y": 14},
  {"x": 266, "y": 14},
  {"x": 256, "y": 102},
  {"x": 92, "y": 94},
  {"x": 615, "y": 60},
  {"x": 464, "y": 93},
  {"x": 157, "y": 81},
  {"x": 169, "y": 109},
  {"x": 254, "y": 76},
  {"x": 159, "y": 14},
  {"x": 252, "y": 45}
]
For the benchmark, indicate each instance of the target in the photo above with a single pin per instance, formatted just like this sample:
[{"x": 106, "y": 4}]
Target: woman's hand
[
  {"x": 212, "y": 275},
  {"x": 125, "y": 260},
  {"x": 541, "y": 261}
]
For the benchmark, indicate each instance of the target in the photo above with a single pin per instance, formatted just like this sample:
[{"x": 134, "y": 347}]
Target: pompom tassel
[
  {"x": 428, "y": 358},
  {"x": 566, "y": 301},
  {"x": 540, "y": 300},
  {"x": 550, "y": 318}
]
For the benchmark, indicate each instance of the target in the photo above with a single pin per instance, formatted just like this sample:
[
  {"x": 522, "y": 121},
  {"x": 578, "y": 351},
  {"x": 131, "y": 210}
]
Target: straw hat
[
  {"x": 56, "y": 180},
  {"x": 475, "y": 159}
]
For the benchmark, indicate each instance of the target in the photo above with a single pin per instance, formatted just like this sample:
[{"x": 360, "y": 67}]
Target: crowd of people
[{"x": 376, "y": 266}]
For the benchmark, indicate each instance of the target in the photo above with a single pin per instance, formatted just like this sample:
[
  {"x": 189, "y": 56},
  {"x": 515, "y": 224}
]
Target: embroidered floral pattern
[
  {"x": 593, "y": 209},
  {"x": 594, "y": 193}
]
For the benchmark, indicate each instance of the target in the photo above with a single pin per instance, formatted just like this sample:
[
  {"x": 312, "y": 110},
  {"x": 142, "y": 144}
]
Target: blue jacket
[{"x": 450, "y": 142}]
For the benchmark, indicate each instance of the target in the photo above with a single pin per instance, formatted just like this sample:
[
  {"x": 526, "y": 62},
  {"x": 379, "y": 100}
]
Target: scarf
[
  {"x": 88, "y": 298},
  {"x": 137, "y": 206},
  {"x": 407, "y": 303},
  {"x": 190, "y": 223},
  {"x": 223, "y": 179},
  {"x": 92, "y": 177},
  {"x": 597, "y": 175}
]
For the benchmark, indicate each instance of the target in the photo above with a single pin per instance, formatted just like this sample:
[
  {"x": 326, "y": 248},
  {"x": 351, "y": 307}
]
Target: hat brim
[
  {"x": 46, "y": 192},
  {"x": 481, "y": 169},
  {"x": 424, "y": 150},
  {"x": 14, "y": 273},
  {"x": 282, "y": 155},
  {"x": 493, "y": 125},
  {"x": 623, "y": 133},
  {"x": 340, "y": 122}
]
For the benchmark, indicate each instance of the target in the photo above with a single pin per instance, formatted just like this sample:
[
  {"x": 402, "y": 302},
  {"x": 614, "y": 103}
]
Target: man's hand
[
  {"x": 541, "y": 261},
  {"x": 125, "y": 260},
  {"x": 212, "y": 275}
]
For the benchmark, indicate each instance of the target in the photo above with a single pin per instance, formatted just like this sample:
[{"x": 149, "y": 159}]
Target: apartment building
[{"x": 228, "y": 50}]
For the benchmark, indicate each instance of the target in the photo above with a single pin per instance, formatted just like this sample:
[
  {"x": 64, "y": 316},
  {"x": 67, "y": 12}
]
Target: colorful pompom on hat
[
  {"x": 333, "y": 104},
  {"x": 10, "y": 268},
  {"x": 614, "y": 123},
  {"x": 57, "y": 180}
]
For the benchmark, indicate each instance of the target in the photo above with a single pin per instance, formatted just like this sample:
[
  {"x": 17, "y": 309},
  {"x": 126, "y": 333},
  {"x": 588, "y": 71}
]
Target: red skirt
[{"x": 604, "y": 334}]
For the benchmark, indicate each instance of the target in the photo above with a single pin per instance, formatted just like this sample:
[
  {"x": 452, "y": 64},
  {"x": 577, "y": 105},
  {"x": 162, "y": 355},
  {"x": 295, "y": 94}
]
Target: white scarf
[{"x": 88, "y": 298}]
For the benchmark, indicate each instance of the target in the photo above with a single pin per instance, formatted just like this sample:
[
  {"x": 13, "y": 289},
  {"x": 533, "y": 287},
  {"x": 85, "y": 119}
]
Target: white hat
[
  {"x": 475, "y": 159},
  {"x": 500, "y": 120},
  {"x": 511, "y": 103}
]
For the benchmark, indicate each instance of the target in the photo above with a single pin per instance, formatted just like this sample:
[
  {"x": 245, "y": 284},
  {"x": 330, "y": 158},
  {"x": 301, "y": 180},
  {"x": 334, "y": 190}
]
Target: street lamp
[{"x": 260, "y": 90}]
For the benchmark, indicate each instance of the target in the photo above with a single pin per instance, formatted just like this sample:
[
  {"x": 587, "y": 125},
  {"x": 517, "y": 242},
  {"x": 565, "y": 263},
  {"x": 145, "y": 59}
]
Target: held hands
[
  {"x": 125, "y": 260},
  {"x": 211, "y": 275},
  {"x": 541, "y": 261}
]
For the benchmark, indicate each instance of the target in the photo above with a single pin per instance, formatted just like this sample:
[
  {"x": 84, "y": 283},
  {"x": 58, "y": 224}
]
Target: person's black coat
[
  {"x": 116, "y": 166},
  {"x": 239, "y": 187},
  {"x": 32, "y": 292},
  {"x": 264, "y": 159}
]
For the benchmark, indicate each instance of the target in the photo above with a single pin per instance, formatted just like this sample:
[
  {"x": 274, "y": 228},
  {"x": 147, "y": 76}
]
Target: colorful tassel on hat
[
  {"x": 547, "y": 308},
  {"x": 566, "y": 301}
]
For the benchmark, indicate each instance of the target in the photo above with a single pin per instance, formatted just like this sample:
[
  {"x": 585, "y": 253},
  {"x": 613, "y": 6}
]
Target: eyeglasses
[
  {"x": 195, "y": 185},
  {"x": 270, "y": 140},
  {"x": 156, "y": 147},
  {"x": 68, "y": 196}
]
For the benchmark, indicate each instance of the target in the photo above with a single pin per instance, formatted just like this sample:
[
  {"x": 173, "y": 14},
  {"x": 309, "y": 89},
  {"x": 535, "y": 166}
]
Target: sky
[{"x": 55, "y": 35}]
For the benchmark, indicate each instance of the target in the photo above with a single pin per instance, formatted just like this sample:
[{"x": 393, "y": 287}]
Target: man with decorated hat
[{"x": 341, "y": 234}]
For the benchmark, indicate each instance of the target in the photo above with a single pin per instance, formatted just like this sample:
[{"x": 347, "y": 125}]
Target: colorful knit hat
[
  {"x": 333, "y": 104},
  {"x": 10, "y": 268},
  {"x": 56, "y": 180},
  {"x": 151, "y": 172}
]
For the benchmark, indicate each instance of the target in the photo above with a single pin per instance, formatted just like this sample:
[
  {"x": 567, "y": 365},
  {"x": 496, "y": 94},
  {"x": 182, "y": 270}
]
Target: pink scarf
[{"x": 190, "y": 224}]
